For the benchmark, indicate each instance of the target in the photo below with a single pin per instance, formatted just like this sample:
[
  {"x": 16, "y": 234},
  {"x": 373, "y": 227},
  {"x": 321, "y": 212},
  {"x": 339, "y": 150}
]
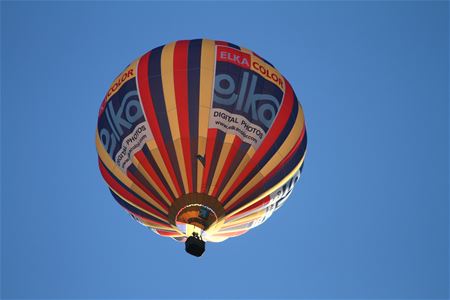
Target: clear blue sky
[{"x": 369, "y": 218}]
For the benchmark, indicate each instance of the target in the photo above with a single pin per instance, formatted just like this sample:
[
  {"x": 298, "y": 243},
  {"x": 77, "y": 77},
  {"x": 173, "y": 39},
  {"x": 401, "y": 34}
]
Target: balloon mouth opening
[
  {"x": 198, "y": 215},
  {"x": 195, "y": 210}
]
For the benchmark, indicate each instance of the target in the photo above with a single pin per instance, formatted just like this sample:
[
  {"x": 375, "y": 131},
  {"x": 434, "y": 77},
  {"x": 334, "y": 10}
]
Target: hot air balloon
[{"x": 200, "y": 140}]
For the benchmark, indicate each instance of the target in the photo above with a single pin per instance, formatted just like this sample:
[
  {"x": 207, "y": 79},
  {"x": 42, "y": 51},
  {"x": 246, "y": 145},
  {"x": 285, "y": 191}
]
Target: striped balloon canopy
[{"x": 200, "y": 140}]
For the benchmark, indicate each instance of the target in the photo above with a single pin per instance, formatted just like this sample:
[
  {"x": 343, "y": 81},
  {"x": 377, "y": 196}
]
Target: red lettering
[
  {"x": 116, "y": 85},
  {"x": 234, "y": 56}
]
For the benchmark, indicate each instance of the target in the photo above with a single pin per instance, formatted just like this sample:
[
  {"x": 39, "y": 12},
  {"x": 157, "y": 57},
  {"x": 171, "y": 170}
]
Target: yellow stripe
[
  {"x": 143, "y": 171},
  {"x": 267, "y": 72},
  {"x": 216, "y": 226},
  {"x": 154, "y": 150},
  {"x": 208, "y": 60},
  {"x": 235, "y": 218},
  {"x": 154, "y": 226},
  {"x": 282, "y": 152},
  {"x": 127, "y": 74},
  {"x": 231, "y": 233},
  {"x": 114, "y": 169},
  {"x": 138, "y": 207},
  {"x": 239, "y": 169},
  {"x": 243, "y": 49},
  {"x": 171, "y": 231},
  {"x": 228, "y": 141},
  {"x": 156, "y": 154},
  {"x": 168, "y": 85},
  {"x": 271, "y": 190},
  {"x": 246, "y": 219}
]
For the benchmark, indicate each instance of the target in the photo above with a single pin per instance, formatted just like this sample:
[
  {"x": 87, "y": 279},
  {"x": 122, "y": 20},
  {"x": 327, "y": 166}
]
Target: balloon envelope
[{"x": 201, "y": 138}]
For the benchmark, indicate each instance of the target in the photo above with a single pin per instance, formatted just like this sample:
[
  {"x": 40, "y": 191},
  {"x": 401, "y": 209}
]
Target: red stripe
[
  {"x": 167, "y": 233},
  {"x": 180, "y": 66},
  {"x": 221, "y": 43},
  {"x": 210, "y": 141},
  {"x": 150, "y": 115},
  {"x": 275, "y": 130},
  {"x": 256, "y": 205},
  {"x": 227, "y": 54},
  {"x": 272, "y": 173},
  {"x": 146, "y": 220},
  {"x": 145, "y": 189},
  {"x": 117, "y": 187},
  {"x": 231, "y": 155},
  {"x": 140, "y": 156}
]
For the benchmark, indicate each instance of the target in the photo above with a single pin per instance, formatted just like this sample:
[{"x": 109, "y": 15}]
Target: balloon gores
[{"x": 200, "y": 141}]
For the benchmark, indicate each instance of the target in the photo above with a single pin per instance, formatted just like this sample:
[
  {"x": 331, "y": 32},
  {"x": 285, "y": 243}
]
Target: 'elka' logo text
[{"x": 120, "y": 117}]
